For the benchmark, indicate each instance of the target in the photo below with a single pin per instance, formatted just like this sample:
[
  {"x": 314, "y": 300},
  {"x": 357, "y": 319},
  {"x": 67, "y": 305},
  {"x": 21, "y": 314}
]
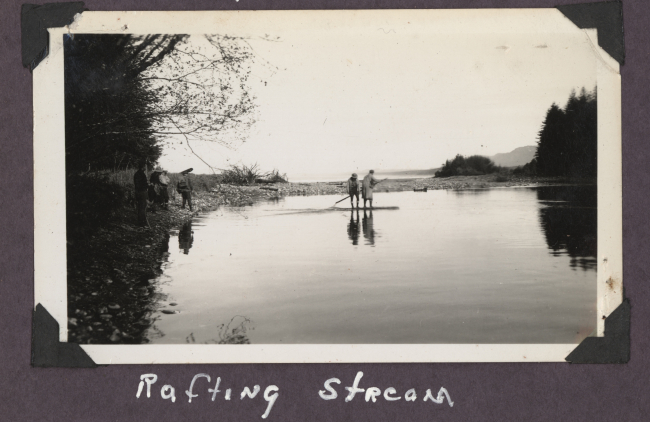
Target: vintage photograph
[{"x": 340, "y": 178}]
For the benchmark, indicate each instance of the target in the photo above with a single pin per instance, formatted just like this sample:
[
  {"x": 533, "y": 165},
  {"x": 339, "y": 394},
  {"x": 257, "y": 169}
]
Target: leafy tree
[
  {"x": 467, "y": 166},
  {"x": 126, "y": 95}
]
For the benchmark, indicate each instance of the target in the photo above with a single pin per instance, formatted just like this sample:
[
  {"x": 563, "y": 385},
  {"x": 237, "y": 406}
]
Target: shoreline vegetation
[{"x": 112, "y": 262}]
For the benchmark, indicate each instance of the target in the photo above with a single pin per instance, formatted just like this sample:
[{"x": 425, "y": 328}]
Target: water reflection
[
  {"x": 469, "y": 192},
  {"x": 368, "y": 228},
  {"x": 130, "y": 313},
  {"x": 444, "y": 296},
  {"x": 186, "y": 237},
  {"x": 353, "y": 228},
  {"x": 568, "y": 217}
]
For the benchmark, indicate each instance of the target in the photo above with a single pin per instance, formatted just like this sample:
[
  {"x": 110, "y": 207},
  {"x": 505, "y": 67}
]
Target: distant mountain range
[
  {"x": 406, "y": 173},
  {"x": 516, "y": 157}
]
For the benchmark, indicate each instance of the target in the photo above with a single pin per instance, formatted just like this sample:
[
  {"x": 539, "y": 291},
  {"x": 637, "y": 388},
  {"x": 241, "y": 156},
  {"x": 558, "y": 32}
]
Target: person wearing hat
[
  {"x": 164, "y": 183},
  {"x": 141, "y": 188},
  {"x": 155, "y": 188},
  {"x": 353, "y": 189},
  {"x": 184, "y": 187}
]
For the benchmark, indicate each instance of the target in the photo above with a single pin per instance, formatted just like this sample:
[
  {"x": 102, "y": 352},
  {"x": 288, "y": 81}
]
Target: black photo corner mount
[
  {"x": 47, "y": 351},
  {"x": 34, "y": 21},
  {"x": 607, "y": 18},
  {"x": 614, "y": 347}
]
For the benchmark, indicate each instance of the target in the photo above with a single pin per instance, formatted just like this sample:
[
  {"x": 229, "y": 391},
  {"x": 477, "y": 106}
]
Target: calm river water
[{"x": 513, "y": 265}]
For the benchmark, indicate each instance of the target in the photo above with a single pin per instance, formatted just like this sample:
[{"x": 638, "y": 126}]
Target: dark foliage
[
  {"x": 94, "y": 201},
  {"x": 528, "y": 169},
  {"x": 468, "y": 166},
  {"x": 568, "y": 218},
  {"x": 567, "y": 143},
  {"x": 127, "y": 95},
  {"x": 108, "y": 117}
]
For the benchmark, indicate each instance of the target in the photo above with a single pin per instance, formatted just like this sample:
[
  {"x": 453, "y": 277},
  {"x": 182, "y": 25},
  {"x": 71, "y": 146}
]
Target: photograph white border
[{"x": 50, "y": 285}]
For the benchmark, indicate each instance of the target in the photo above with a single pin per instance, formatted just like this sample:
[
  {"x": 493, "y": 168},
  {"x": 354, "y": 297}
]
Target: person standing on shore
[
  {"x": 141, "y": 193},
  {"x": 164, "y": 184},
  {"x": 184, "y": 187},
  {"x": 369, "y": 183},
  {"x": 353, "y": 189},
  {"x": 155, "y": 188}
]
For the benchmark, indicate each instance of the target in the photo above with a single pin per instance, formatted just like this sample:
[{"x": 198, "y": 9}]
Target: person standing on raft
[
  {"x": 353, "y": 189},
  {"x": 368, "y": 184}
]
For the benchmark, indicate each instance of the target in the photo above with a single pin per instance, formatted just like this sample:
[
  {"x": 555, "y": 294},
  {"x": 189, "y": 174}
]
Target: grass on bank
[{"x": 235, "y": 175}]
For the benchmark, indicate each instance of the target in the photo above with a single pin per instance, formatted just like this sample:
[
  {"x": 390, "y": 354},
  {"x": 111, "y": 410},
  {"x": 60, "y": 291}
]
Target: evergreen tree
[{"x": 567, "y": 144}]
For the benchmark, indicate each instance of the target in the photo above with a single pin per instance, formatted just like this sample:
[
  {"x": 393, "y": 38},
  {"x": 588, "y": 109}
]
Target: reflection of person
[
  {"x": 368, "y": 228},
  {"x": 353, "y": 228},
  {"x": 141, "y": 187},
  {"x": 353, "y": 189},
  {"x": 186, "y": 237},
  {"x": 184, "y": 187},
  {"x": 369, "y": 183}
]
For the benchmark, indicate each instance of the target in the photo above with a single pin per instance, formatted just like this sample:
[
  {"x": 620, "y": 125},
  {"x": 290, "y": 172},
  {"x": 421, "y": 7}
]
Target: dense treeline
[
  {"x": 567, "y": 143},
  {"x": 468, "y": 166},
  {"x": 108, "y": 117}
]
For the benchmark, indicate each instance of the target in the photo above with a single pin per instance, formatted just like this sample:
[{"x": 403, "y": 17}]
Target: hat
[
  {"x": 187, "y": 171},
  {"x": 354, "y": 175},
  {"x": 158, "y": 169},
  {"x": 372, "y": 171}
]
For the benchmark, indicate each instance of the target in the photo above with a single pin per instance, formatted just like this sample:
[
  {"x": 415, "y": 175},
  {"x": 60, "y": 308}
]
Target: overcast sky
[{"x": 343, "y": 102}]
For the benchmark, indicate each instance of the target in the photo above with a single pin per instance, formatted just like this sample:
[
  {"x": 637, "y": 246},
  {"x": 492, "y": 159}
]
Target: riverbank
[
  {"x": 110, "y": 272},
  {"x": 111, "y": 293}
]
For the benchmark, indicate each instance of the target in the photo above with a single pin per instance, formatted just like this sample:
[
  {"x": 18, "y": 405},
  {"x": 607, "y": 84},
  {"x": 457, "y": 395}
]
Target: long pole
[{"x": 342, "y": 199}]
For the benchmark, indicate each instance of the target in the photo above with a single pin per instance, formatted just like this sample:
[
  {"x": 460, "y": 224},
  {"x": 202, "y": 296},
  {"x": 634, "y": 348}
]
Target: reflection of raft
[
  {"x": 317, "y": 211},
  {"x": 419, "y": 190}
]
